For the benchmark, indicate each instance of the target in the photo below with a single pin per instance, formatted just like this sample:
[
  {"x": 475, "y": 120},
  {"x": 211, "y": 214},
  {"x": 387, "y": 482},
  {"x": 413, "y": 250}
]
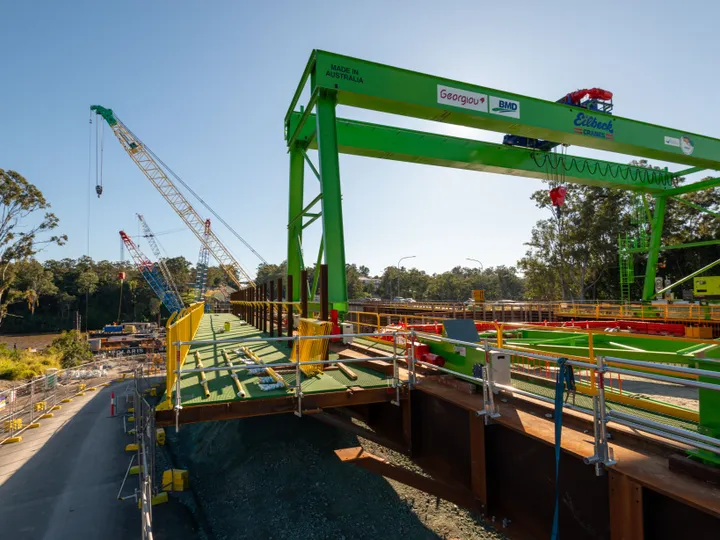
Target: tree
[
  {"x": 20, "y": 237},
  {"x": 33, "y": 280},
  {"x": 179, "y": 268},
  {"x": 72, "y": 349},
  {"x": 576, "y": 255},
  {"x": 573, "y": 250},
  {"x": 87, "y": 282}
]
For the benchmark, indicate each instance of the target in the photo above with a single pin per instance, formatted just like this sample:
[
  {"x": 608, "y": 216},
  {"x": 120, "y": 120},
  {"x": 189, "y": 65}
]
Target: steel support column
[
  {"x": 331, "y": 199},
  {"x": 294, "y": 253},
  {"x": 626, "y": 508},
  {"x": 654, "y": 251}
]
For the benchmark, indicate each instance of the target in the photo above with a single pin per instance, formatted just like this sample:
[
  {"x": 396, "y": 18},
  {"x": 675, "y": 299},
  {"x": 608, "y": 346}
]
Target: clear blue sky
[{"x": 206, "y": 84}]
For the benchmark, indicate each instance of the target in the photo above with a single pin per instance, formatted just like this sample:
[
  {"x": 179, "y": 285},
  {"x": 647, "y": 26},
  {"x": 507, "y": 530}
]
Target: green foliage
[
  {"x": 15, "y": 364},
  {"x": 575, "y": 256},
  {"x": 21, "y": 231},
  {"x": 499, "y": 283},
  {"x": 71, "y": 348}
]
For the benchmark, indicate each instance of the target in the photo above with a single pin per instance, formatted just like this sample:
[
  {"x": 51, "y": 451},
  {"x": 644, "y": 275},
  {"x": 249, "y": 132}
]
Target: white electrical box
[
  {"x": 347, "y": 328},
  {"x": 500, "y": 368}
]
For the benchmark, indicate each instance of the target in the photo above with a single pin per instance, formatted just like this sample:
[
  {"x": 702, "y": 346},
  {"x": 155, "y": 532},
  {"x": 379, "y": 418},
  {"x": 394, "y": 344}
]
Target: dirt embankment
[
  {"x": 26, "y": 341},
  {"x": 277, "y": 477}
]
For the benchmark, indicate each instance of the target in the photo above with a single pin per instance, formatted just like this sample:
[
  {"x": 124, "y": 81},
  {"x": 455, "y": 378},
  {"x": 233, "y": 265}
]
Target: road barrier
[{"x": 22, "y": 405}]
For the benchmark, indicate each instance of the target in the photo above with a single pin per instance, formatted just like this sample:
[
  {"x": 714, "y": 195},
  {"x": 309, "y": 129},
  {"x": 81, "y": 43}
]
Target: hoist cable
[
  {"x": 207, "y": 206},
  {"x": 644, "y": 175},
  {"x": 180, "y": 180}
]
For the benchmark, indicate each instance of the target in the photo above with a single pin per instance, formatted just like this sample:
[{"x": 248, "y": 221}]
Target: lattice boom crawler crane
[
  {"x": 155, "y": 171},
  {"x": 164, "y": 270},
  {"x": 152, "y": 275},
  {"x": 201, "y": 272}
]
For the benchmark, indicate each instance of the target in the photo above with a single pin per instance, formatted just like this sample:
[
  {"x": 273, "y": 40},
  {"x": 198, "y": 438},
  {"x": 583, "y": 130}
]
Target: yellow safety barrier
[
  {"x": 15, "y": 424},
  {"x": 11, "y": 440},
  {"x": 175, "y": 480},
  {"x": 181, "y": 326},
  {"x": 312, "y": 350},
  {"x": 39, "y": 406}
]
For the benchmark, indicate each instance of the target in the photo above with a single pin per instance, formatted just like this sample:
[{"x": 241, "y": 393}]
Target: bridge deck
[{"x": 221, "y": 386}]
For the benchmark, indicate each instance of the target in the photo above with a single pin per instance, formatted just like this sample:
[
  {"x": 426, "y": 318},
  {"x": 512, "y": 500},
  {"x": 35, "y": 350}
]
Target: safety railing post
[
  {"x": 411, "y": 360},
  {"x": 396, "y": 372},
  {"x": 32, "y": 399},
  {"x": 178, "y": 401},
  {"x": 298, "y": 376},
  {"x": 488, "y": 386}
]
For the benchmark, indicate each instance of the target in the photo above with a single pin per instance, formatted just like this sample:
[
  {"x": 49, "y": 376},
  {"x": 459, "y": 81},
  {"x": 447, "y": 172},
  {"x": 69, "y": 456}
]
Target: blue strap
[{"x": 564, "y": 375}]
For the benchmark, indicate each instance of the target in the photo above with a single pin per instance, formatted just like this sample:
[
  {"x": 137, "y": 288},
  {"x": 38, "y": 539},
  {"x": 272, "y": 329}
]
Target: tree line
[
  {"x": 571, "y": 254},
  {"x": 499, "y": 283}
]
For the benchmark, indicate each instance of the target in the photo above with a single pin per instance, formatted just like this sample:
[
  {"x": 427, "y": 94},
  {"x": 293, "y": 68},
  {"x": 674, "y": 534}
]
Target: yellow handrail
[{"x": 180, "y": 326}]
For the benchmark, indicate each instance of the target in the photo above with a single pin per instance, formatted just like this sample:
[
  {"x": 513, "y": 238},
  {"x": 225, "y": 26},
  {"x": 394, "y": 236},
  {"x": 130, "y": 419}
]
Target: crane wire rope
[
  {"x": 190, "y": 190},
  {"x": 89, "y": 204}
]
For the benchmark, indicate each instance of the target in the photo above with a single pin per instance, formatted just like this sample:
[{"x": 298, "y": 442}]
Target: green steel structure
[{"x": 341, "y": 80}]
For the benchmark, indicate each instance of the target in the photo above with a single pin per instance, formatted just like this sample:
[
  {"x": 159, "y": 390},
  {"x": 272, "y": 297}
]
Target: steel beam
[
  {"x": 478, "y": 473},
  {"x": 349, "y": 426},
  {"x": 685, "y": 172},
  {"x": 697, "y": 207},
  {"x": 294, "y": 255},
  {"x": 679, "y": 246},
  {"x": 458, "y": 495},
  {"x": 654, "y": 249},
  {"x": 398, "y": 144},
  {"x": 332, "y": 217},
  {"x": 691, "y": 188},
  {"x": 690, "y": 276},
  {"x": 370, "y": 85},
  {"x": 626, "y": 508},
  {"x": 280, "y": 405}
]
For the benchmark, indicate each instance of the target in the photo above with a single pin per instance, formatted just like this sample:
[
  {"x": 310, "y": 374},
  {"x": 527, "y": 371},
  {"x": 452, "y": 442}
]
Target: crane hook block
[{"x": 98, "y": 190}]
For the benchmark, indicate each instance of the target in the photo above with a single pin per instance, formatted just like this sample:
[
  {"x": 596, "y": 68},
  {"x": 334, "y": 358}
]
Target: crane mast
[
  {"x": 164, "y": 270},
  {"x": 148, "y": 163},
  {"x": 152, "y": 275},
  {"x": 201, "y": 270}
]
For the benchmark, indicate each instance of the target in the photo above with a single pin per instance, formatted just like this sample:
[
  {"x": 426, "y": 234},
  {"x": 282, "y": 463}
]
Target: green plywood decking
[
  {"x": 220, "y": 384},
  {"x": 585, "y": 402}
]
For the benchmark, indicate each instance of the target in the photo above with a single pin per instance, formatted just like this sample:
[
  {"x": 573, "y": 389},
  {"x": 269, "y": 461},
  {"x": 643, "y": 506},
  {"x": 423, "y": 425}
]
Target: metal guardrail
[
  {"x": 685, "y": 312},
  {"x": 298, "y": 394},
  {"x": 22, "y": 405},
  {"x": 145, "y": 438},
  {"x": 601, "y": 367}
]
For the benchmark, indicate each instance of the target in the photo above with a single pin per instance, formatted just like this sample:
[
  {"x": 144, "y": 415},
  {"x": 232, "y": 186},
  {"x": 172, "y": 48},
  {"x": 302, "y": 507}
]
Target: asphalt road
[{"x": 61, "y": 482}]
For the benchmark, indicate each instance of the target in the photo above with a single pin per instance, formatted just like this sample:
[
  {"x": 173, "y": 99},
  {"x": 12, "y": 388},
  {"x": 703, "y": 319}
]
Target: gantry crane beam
[
  {"x": 342, "y": 80},
  {"x": 398, "y": 144},
  {"x": 154, "y": 172},
  {"x": 152, "y": 275},
  {"x": 370, "y": 85},
  {"x": 155, "y": 248}
]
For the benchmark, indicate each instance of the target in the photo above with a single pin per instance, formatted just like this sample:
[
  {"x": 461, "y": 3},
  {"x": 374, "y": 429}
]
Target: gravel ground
[{"x": 276, "y": 477}]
